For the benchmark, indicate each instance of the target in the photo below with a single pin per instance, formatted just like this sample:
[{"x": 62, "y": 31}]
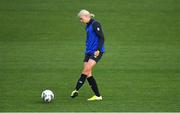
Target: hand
[{"x": 96, "y": 53}]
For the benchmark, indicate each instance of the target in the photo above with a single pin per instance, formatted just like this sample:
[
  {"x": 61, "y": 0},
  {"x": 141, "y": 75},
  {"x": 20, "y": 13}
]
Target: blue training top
[{"x": 92, "y": 40}]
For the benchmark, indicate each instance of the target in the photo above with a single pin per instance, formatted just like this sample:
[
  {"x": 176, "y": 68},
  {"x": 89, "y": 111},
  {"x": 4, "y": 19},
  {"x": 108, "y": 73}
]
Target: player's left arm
[{"x": 98, "y": 30}]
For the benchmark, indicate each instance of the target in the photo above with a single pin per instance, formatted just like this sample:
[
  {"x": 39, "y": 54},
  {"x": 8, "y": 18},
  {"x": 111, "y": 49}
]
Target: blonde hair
[{"x": 85, "y": 12}]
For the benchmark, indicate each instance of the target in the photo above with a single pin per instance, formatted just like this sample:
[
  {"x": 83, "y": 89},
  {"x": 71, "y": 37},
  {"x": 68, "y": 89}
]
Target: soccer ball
[{"x": 47, "y": 95}]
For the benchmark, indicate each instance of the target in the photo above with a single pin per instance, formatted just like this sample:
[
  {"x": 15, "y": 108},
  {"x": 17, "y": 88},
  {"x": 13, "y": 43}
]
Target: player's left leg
[{"x": 92, "y": 82}]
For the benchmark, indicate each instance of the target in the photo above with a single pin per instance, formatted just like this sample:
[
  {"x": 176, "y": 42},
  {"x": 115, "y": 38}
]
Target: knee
[{"x": 87, "y": 70}]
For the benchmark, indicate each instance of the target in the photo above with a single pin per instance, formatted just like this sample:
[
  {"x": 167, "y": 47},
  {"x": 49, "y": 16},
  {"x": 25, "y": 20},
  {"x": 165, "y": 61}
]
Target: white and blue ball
[{"x": 47, "y": 96}]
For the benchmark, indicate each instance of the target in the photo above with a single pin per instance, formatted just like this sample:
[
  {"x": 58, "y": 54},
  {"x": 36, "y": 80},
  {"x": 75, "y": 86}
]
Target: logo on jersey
[{"x": 98, "y": 28}]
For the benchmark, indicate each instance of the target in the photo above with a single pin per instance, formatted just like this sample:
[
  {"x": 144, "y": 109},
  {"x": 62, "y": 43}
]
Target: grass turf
[{"x": 42, "y": 44}]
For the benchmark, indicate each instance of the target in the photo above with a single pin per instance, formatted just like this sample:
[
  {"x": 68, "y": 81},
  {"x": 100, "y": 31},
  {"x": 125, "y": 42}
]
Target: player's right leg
[
  {"x": 85, "y": 73},
  {"x": 79, "y": 84},
  {"x": 81, "y": 80},
  {"x": 74, "y": 93}
]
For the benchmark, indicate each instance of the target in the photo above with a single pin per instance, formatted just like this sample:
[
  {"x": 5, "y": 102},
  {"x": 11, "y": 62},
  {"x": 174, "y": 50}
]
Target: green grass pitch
[{"x": 42, "y": 47}]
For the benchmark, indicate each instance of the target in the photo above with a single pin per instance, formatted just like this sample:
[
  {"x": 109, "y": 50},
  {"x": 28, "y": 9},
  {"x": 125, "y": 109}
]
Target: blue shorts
[{"x": 91, "y": 56}]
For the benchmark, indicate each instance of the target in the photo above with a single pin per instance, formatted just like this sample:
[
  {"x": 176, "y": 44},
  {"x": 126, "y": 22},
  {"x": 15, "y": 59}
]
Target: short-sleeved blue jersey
[{"x": 92, "y": 40}]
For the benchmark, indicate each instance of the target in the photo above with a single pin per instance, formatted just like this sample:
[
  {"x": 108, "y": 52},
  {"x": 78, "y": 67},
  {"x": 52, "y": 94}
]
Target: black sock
[
  {"x": 80, "y": 82},
  {"x": 93, "y": 84}
]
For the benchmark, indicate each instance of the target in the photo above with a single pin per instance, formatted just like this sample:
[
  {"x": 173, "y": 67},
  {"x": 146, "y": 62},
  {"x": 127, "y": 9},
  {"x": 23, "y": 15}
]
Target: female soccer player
[{"x": 93, "y": 53}]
